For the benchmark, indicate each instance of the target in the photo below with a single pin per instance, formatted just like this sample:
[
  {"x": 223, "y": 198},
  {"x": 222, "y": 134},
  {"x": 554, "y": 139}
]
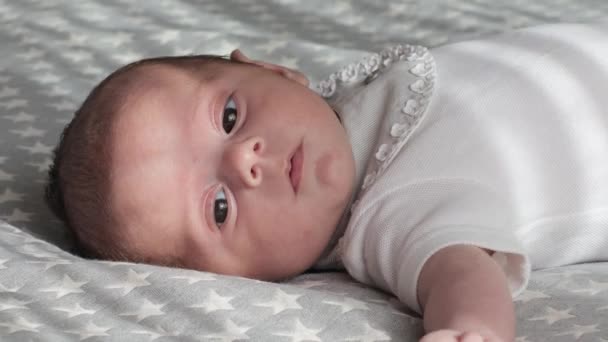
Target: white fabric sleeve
[{"x": 390, "y": 238}]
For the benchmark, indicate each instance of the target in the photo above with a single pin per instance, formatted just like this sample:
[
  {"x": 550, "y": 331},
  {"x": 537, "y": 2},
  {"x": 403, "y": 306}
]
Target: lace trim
[
  {"x": 413, "y": 108},
  {"x": 371, "y": 66}
]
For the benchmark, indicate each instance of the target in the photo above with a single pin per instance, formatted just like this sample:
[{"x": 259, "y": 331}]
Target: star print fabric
[{"x": 53, "y": 52}]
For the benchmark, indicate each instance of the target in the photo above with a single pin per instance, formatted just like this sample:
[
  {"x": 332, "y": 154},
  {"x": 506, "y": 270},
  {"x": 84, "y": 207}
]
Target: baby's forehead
[
  {"x": 203, "y": 70},
  {"x": 154, "y": 76},
  {"x": 145, "y": 85}
]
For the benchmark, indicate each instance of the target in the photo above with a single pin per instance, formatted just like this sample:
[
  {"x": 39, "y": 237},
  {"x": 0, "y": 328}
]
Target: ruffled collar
[{"x": 394, "y": 128}]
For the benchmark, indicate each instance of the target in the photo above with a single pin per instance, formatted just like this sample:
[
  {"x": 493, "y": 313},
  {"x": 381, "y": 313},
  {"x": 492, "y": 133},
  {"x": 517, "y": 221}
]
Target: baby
[{"x": 440, "y": 176}]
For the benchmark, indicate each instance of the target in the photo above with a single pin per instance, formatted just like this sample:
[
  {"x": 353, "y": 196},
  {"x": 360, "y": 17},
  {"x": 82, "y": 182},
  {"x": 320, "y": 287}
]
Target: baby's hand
[{"x": 456, "y": 336}]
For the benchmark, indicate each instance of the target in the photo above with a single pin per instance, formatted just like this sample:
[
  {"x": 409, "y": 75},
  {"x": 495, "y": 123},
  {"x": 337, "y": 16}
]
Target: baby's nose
[{"x": 246, "y": 158}]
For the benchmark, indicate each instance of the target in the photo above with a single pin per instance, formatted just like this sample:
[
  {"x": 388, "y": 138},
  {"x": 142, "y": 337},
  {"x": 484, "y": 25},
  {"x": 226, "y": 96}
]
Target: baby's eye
[
  {"x": 230, "y": 115},
  {"x": 220, "y": 207}
]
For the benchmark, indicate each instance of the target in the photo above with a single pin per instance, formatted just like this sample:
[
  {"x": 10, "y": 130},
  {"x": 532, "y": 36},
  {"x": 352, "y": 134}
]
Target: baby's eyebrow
[{"x": 204, "y": 96}]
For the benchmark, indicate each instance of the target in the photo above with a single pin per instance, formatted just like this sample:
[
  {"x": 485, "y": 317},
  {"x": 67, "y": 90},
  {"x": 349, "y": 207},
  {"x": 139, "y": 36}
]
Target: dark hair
[{"x": 78, "y": 179}]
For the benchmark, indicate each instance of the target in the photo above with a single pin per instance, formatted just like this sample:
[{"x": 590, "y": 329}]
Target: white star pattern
[
  {"x": 46, "y": 78},
  {"x": 9, "y": 196},
  {"x": 340, "y": 8},
  {"x": 301, "y": 333},
  {"x": 16, "y": 215},
  {"x": 77, "y": 39},
  {"x": 31, "y": 54},
  {"x": 594, "y": 288},
  {"x": 166, "y": 36},
  {"x": 116, "y": 263},
  {"x": 78, "y": 56},
  {"x": 231, "y": 332},
  {"x": 133, "y": 281},
  {"x": 13, "y": 304},
  {"x": 579, "y": 330},
  {"x": 74, "y": 310},
  {"x": 90, "y": 330},
  {"x": 398, "y": 9},
  {"x": 20, "y": 324},
  {"x": 55, "y": 91},
  {"x": 41, "y": 65},
  {"x": 37, "y": 252},
  {"x": 117, "y": 39},
  {"x": 281, "y": 301},
  {"x": 348, "y": 304},
  {"x": 14, "y": 103},
  {"x": 156, "y": 333},
  {"x": 290, "y": 62},
  {"x": 42, "y": 166},
  {"x": 214, "y": 302},
  {"x": 51, "y": 263},
  {"x": 271, "y": 45},
  {"x": 21, "y": 117},
  {"x": 92, "y": 70},
  {"x": 7, "y": 91},
  {"x": 38, "y": 148},
  {"x": 66, "y": 287},
  {"x": 147, "y": 309},
  {"x": 54, "y": 22},
  {"x": 5, "y": 176},
  {"x": 552, "y": 315},
  {"x": 307, "y": 284},
  {"x": 529, "y": 295},
  {"x": 127, "y": 57},
  {"x": 63, "y": 106},
  {"x": 353, "y": 19},
  {"x": 328, "y": 59},
  {"x": 13, "y": 289},
  {"x": 29, "y": 132},
  {"x": 63, "y": 121},
  {"x": 54, "y": 52},
  {"x": 195, "y": 279},
  {"x": 223, "y": 47},
  {"x": 209, "y": 35}
]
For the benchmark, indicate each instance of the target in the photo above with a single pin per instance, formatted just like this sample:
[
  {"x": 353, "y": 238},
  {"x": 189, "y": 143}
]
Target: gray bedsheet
[{"x": 53, "y": 52}]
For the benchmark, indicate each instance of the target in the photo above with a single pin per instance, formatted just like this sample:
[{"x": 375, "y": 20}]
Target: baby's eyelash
[
  {"x": 220, "y": 207},
  {"x": 229, "y": 115}
]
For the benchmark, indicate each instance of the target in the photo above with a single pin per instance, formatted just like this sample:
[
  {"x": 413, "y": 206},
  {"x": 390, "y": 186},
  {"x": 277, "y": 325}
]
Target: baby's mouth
[{"x": 295, "y": 167}]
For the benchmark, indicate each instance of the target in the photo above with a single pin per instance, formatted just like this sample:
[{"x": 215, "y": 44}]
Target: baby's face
[{"x": 246, "y": 174}]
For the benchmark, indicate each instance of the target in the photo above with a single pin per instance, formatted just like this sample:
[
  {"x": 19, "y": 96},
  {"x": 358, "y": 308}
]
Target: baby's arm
[{"x": 464, "y": 292}]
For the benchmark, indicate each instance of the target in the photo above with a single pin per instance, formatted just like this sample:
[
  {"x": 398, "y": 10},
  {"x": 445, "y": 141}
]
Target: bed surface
[{"x": 54, "y": 52}]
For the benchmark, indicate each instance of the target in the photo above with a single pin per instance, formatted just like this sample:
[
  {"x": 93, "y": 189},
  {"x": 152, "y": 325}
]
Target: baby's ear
[{"x": 291, "y": 74}]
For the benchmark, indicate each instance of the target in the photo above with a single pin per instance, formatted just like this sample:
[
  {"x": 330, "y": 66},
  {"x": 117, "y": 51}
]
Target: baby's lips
[{"x": 296, "y": 167}]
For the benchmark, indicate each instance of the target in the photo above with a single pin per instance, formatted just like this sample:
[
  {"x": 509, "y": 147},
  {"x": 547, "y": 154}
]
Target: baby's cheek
[
  {"x": 327, "y": 170},
  {"x": 334, "y": 173}
]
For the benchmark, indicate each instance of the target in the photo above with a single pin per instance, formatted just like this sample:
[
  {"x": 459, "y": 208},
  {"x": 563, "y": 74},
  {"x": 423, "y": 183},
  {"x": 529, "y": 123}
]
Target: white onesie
[{"x": 500, "y": 143}]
